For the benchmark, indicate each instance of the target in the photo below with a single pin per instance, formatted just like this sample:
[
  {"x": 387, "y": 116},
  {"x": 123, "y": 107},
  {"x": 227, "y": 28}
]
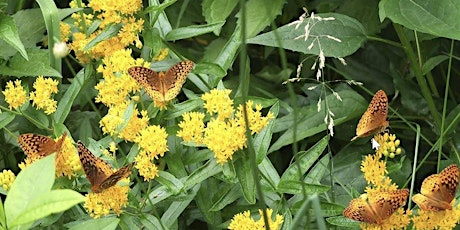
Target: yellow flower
[
  {"x": 389, "y": 145},
  {"x": 192, "y": 127},
  {"x": 398, "y": 220},
  {"x": 15, "y": 95},
  {"x": 44, "y": 88},
  {"x": 67, "y": 160},
  {"x": 446, "y": 219},
  {"x": 7, "y": 178},
  {"x": 255, "y": 119},
  {"x": 112, "y": 199},
  {"x": 112, "y": 122},
  {"x": 243, "y": 221},
  {"x": 224, "y": 138},
  {"x": 65, "y": 31},
  {"x": 162, "y": 54},
  {"x": 218, "y": 102},
  {"x": 152, "y": 142}
]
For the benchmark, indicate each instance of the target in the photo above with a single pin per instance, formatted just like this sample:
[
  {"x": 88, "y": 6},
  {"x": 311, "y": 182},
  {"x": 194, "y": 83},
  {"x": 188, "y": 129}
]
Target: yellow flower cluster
[
  {"x": 7, "y": 178},
  {"x": 244, "y": 221},
  {"x": 109, "y": 13},
  {"x": 15, "y": 95},
  {"x": 110, "y": 199},
  {"x": 67, "y": 160},
  {"x": 224, "y": 134},
  {"x": 41, "y": 97},
  {"x": 152, "y": 144},
  {"x": 445, "y": 219},
  {"x": 389, "y": 145}
]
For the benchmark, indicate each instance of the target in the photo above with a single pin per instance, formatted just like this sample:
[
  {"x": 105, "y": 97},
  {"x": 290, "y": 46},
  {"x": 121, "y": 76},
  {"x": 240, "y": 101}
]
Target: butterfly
[
  {"x": 374, "y": 120},
  {"x": 162, "y": 86},
  {"x": 438, "y": 190},
  {"x": 39, "y": 145},
  {"x": 98, "y": 171},
  {"x": 377, "y": 208}
]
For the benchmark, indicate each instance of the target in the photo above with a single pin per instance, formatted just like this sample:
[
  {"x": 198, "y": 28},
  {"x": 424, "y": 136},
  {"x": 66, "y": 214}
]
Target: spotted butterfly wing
[
  {"x": 438, "y": 190},
  {"x": 98, "y": 171},
  {"x": 377, "y": 208},
  {"x": 39, "y": 145},
  {"x": 161, "y": 86},
  {"x": 374, "y": 120}
]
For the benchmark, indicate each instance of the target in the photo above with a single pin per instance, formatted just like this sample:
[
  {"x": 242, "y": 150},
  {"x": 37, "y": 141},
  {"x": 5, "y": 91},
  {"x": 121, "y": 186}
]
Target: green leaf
[
  {"x": 38, "y": 64},
  {"x": 108, "y": 32},
  {"x": 175, "y": 209},
  {"x": 150, "y": 222},
  {"x": 263, "y": 138},
  {"x": 439, "y": 18},
  {"x": 246, "y": 179},
  {"x": 217, "y": 10},
  {"x": 209, "y": 169},
  {"x": 311, "y": 121},
  {"x": 66, "y": 102},
  {"x": 182, "y": 108},
  {"x": 32, "y": 182},
  {"x": 170, "y": 181},
  {"x": 108, "y": 223},
  {"x": 432, "y": 62},
  {"x": 2, "y": 215},
  {"x": 192, "y": 31},
  {"x": 269, "y": 172},
  {"x": 6, "y": 118},
  {"x": 225, "y": 197},
  {"x": 349, "y": 31},
  {"x": 9, "y": 33},
  {"x": 51, "y": 16},
  {"x": 259, "y": 14},
  {"x": 37, "y": 117},
  {"x": 305, "y": 160},
  {"x": 48, "y": 203},
  {"x": 343, "y": 222},
  {"x": 296, "y": 187}
]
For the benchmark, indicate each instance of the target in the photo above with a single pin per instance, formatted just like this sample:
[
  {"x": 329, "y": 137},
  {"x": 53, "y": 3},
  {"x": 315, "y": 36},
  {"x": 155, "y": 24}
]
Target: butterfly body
[
  {"x": 39, "y": 145},
  {"x": 99, "y": 172},
  {"x": 374, "y": 120},
  {"x": 378, "y": 208},
  {"x": 162, "y": 86},
  {"x": 438, "y": 190}
]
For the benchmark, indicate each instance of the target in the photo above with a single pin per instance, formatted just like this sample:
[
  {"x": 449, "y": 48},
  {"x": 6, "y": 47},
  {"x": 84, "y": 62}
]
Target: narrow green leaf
[
  {"x": 246, "y": 179},
  {"x": 151, "y": 222},
  {"x": 37, "y": 177},
  {"x": 37, "y": 117},
  {"x": 209, "y": 169},
  {"x": 263, "y": 138},
  {"x": 269, "y": 172},
  {"x": 38, "y": 64},
  {"x": 343, "y": 222},
  {"x": 51, "y": 16},
  {"x": 439, "y": 18},
  {"x": 108, "y": 32},
  {"x": 217, "y": 10},
  {"x": 48, "y": 203},
  {"x": 182, "y": 108},
  {"x": 192, "y": 31},
  {"x": 6, "y": 118},
  {"x": 66, "y": 102},
  {"x": 226, "y": 53},
  {"x": 2, "y": 215},
  {"x": 349, "y": 31},
  {"x": 225, "y": 197},
  {"x": 9, "y": 33},
  {"x": 259, "y": 14},
  {"x": 175, "y": 209},
  {"x": 432, "y": 62},
  {"x": 108, "y": 223},
  {"x": 295, "y": 187},
  {"x": 170, "y": 181}
]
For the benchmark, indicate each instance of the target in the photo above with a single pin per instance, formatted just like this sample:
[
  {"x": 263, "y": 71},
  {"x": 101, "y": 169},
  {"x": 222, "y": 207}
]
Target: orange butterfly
[
  {"x": 39, "y": 145},
  {"x": 374, "y": 120},
  {"x": 378, "y": 208},
  {"x": 99, "y": 172},
  {"x": 438, "y": 190},
  {"x": 162, "y": 87}
]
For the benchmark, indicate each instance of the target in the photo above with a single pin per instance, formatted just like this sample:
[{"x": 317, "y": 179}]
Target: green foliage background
[{"x": 407, "y": 48}]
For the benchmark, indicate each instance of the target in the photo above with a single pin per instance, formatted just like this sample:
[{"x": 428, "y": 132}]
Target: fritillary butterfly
[
  {"x": 99, "y": 172},
  {"x": 161, "y": 86},
  {"x": 374, "y": 120},
  {"x": 39, "y": 145},
  {"x": 438, "y": 190},
  {"x": 377, "y": 208}
]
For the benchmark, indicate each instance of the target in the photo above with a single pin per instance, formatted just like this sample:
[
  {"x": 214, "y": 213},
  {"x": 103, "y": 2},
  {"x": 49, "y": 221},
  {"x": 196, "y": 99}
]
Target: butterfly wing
[
  {"x": 375, "y": 118},
  {"x": 149, "y": 80},
  {"x": 359, "y": 210},
  {"x": 93, "y": 167},
  {"x": 438, "y": 190},
  {"x": 115, "y": 177},
  {"x": 175, "y": 77},
  {"x": 38, "y": 145}
]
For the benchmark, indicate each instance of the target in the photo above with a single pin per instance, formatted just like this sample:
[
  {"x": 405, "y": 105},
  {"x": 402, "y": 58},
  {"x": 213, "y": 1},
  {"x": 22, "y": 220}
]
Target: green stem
[{"x": 418, "y": 73}]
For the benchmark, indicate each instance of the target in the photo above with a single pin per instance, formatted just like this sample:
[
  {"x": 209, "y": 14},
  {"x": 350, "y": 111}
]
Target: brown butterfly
[
  {"x": 378, "y": 208},
  {"x": 162, "y": 87},
  {"x": 99, "y": 172},
  {"x": 374, "y": 120},
  {"x": 39, "y": 145},
  {"x": 438, "y": 190}
]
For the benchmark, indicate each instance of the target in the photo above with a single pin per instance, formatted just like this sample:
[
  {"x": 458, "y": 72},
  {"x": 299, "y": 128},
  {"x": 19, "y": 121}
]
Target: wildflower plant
[{"x": 256, "y": 113}]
